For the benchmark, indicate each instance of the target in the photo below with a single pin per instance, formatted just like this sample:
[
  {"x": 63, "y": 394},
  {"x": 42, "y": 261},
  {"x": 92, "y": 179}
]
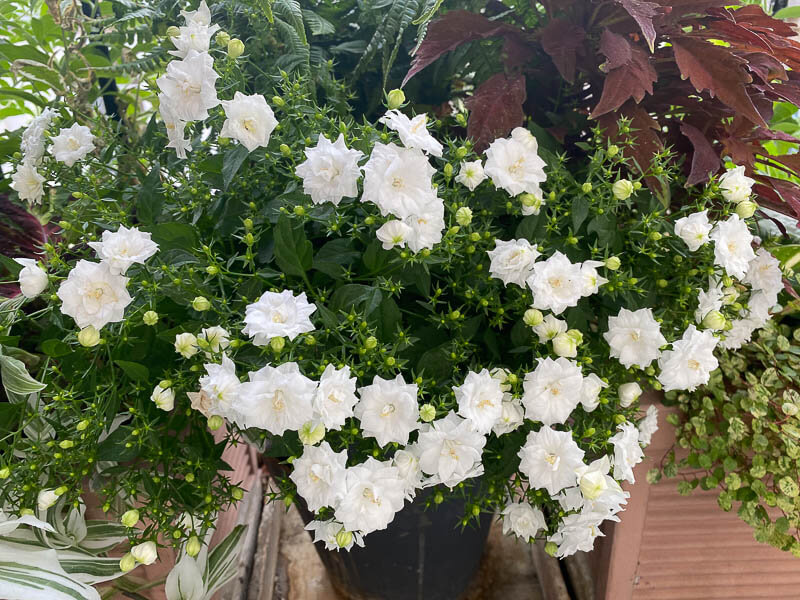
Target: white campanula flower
[
  {"x": 413, "y": 132},
  {"x": 599, "y": 490},
  {"x": 732, "y": 246},
  {"x": 335, "y": 396},
  {"x": 277, "y": 399},
  {"x": 709, "y": 300},
  {"x": 93, "y": 295},
  {"x": 193, "y": 36},
  {"x": 394, "y": 233},
  {"x": 330, "y": 532},
  {"x": 566, "y": 344},
  {"x": 480, "y": 399},
  {"x": 388, "y": 410},
  {"x": 27, "y": 182},
  {"x": 550, "y": 328},
  {"x": 501, "y": 375},
  {"x": 186, "y": 345},
  {"x": 629, "y": 393},
  {"x": 32, "y": 144},
  {"x": 532, "y": 203},
  {"x": 375, "y": 493},
  {"x": 471, "y": 174},
  {"x": 693, "y": 229},
  {"x": 72, "y": 144},
  {"x": 549, "y": 459},
  {"x": 735, "y": 185},
  {"x": 592, "y": 280},
  {"x": 278, "y": 314},
  {"x": 514, "y": 164},
  {"x": 319, "y": 475},
  {"x": 201, "y": 16},
  {"x": 512, "y": 261},
  {"x": 590, "y": 391},
  {"x": 163, "y": 398},
  {"x": 450, "y": 450},
  {"x": 649, "y": 425},
  {"x": 124, "y": 247},
  {"x": 690, "y": 362},
  {"x": 756, "y": 317},
  {"x": 217, "y": 338},
  {"x": 176, "y": 127},
  {"x": 330, "y": 171},
  {"x": 523, "y": 520},
  {"x": 556, "y": 283},
  {"x": 33, "y": 279},
  {"x": 511, "y": 416},
  {"x": 764, "y": 274},
  {"x": 407, "y": 464},
  {"x": 577, "y": 532},
  {"x": 398, "y": 181},
  {"x": 427, "y": 227},
  {"x": 634, "y": 337},
  {"x": 627, "y": 451},
  {"x": 220, "y": 389},
  {"x": 145, "y": 553},
  {"x": 189, "y": 86},
  {"x": 249, "y": 120},
  {"x": 552, "y": 390}
]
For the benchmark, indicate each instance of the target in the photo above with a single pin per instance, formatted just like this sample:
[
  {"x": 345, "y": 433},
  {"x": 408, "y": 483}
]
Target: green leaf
[
  {"x": 362, "y": 298},
  {"x": 16, "y": 380},
  {"x": 317, "y": 24},
  {"x": 9, "y": 417},
  {"x": 133, "y": 370},
  {"x": 171, "y": 236},
  {"x": 55, "y": 348},
  {"x": 789, "y": 12},
  {"x": 331, "y": 258},
  {"x": 580, "y": 210},
  {"x": 231, "y": 162},
  {"x": 149, "y": 203},
  {"x": 605, "y": 226},
  {"x": 532, "y": 227},
  {"x": 21, "y": 95},
  {"x": 293, "y": 252},
  {"x": 114, "y": 448}
]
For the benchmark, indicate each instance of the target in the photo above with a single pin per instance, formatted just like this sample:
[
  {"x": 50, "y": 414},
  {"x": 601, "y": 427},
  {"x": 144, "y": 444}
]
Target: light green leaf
[
  {"x": 16, "y": 380},
  {"x": 790, "y": 12}
]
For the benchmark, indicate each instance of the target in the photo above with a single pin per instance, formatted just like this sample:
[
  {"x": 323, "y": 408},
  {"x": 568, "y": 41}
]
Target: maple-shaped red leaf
[
  {"x": 630, "y": 74},
  {"x": 705, "y": 160},
  {"x": 718, "y": 70},
  {"x": 455, "y": 28},
  {"x": 643, "y": 13},
  {"x": 495, "y": 109},
  {"x": 561, "y": 40}
]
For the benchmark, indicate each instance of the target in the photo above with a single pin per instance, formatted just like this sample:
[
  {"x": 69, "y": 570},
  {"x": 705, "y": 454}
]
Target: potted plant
[{"x": 397, "y": 320}]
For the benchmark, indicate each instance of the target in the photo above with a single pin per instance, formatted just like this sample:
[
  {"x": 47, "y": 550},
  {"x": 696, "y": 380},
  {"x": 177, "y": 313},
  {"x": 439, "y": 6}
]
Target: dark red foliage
[
  {"x": 21, "y": 236},
  {"x": 659, "y": 63}
]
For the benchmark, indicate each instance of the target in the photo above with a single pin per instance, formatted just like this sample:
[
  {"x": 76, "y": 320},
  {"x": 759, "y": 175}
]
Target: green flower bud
[
  {"x": 395, "y": 99},
  {"x": 438, "y": 498},
  {"x": 201, "y": 304},
  {"x": 237, "y": 493},
  {"x": 551, "y": 548},
  {"x": 130, "y": 518},
  {"x": 235, "y": 48},
  {"x": 427, "y": 413},
  {"x": 127, "y": 563},
  {"x": 586, "y": 187},
  {"x": 464, "y": 216},
  {"x": 66, "y": 444},
  {"x": 278, "y": 101},
  {"x": 285, "y": 150},
  {"x": 215, "y": 422},
  {"x": 5, "y": 473},
  {"x": 746, "y": 209},
  {"x": 344, "y": 538},
  {"x": 212, "y": 270},
  {"x": 150, "y": 318},
  {"x": 193, "y": 546},
  {"x": 461, "y": 152},
  {"x": 248, "y": 223},
  {"x": 655, "y": 236},
  {"x": 277, "y": 344},
  {"x": 613, "y": 263},
  {"x": 370, "y": 342},
  {"x": 714, "y": 320},
  {"x": 622, "y": 189},
  {"x": 532, "y": 317},
  {"x": 88, "y": 337},
  {"x": 448, "y": 170},
  {"x": 612, "y": 151},
  {"x": 565, "y": 345},
  {"x": 311, "y": 433},
  {"x": 222, "y": 38},
  {"x": 173, "y": 31}
]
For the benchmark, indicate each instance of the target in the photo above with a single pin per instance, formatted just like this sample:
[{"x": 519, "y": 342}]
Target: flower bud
[
  {"x": 448, "y": 170},
  {"x": 464, "y": 216},
  {"x": 612, "y": 151},
  {"x": 237, "y": 493},
  {"x": 551, "y": 548},
  {"x": 714, "y": 321},
  {"x": 586, "y": 187},
  {"x": 222, "y": 38},
  {"x": 622, "y": 189},
  {"x": 629, "y": 393},
  {"x": 186, "y": 344},
  {"x": 613, "y": 263},
  {"x": 66, "y": 444},
  {"x": 150, "y": 318},
  {"x": 130, "y": 518},
  {"x": 729, "y": 295},
  {"x": 145, "y": 553},
  {"x": 193, "y": 546},
  {"x": 371, "y": 342},
  {"x": 531, "y": 204},
  {"x": 235, "y": 48},
  {"x": 655, "y": 236},
  {"x": 164, "y": 398},
  {"x": 564, "y": 345},
  {"x": 201, "y": 304},
  {"x": 215, "y": 422},
  {"x": 311, "y": 433},
  {"x": 46, "y": 499},
  {"x": 127, "y": 563},
  {"x": 33, "y": 279},
  {"x": 395, "y": 99},
  {"x": 746, "y": 209},
  {"x": 277, "y": 344},
  {"x": 427, "y": 413},
  {"x": 88, "y": 337},
  {"x": 461, "y": 152},
  {"x": 172, "y": 32},
  {"x": 344, "y": 539},
  {"x": 593, "y": 484},
  {"x": 285, "y": 150},
  {"x": 533, "y": 317},
  {"x": 5, "y": 473}
]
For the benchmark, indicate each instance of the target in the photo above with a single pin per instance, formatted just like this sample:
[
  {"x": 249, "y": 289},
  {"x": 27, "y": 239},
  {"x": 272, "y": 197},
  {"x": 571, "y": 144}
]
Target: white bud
[
  {"x": 164, "y": 398},
  {"x": 622, "y": 189},
  {"x": 629, "y": 393},
  {"x": 145, "y": 553}
]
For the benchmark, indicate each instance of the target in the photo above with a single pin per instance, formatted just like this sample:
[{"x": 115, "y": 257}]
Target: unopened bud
[
  {"x": 427, "y": 413},
  {"x": 277, "y": 344},
  {"x": 285, "y": 150},
  {"x": 237, "y": 493},
  {"x": 565, "y": 345},
  {"x": 533, "y": 317},
  {"x": 622, "y": 189},
  {"x": 88, "y": 337},
  {"x": 311, "y": 433},
  {"x": 613, "y": 263},
  {"x": 5, "y": 473},
  {"x": 746, "y": 209},
  {"x": 370, "y": 342},
  {"x": 613, "y": 150},
  {"x": 235, "y": 48},
  {"x": 127, "y": 563},
  {"x": 193, "y": 546},
  {"x": 464, "y": 216},
  {"x": 551, "y": 548},
  {"x": 586, "y": 187},
  {"x": 222, "y": 38},
  {"x": 344, "y": 538},
  {"x": 173, "y": 31},
  {"x": 714, "y": 320},
  {"x": 130, "y": 518},
  {"x": 201, "y": 304},
  {"x": 215, "y": 422},
  {"x": 395, "y": 99},
  {"x": 150, "y": 318}
]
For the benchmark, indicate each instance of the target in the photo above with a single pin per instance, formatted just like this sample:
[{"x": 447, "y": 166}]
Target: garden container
[{"x": 424, "y": 554}]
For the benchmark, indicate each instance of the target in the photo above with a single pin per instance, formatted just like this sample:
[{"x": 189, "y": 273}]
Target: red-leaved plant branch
[{"x": 695, "y": 75}]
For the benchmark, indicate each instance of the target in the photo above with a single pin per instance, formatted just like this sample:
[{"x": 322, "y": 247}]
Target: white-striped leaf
[
  {"x": 221, "y": 565},
  {"x": 102, "y": 536},
  {"x": 87, "y": 568},
  {"x": 27, "y": 574}
]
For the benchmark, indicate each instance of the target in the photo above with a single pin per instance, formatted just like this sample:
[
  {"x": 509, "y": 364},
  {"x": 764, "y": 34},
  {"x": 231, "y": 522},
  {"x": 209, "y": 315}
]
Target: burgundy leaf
[
  {"x": 495, "y": 109},
  {"x": 755, "y": 18},
  {"x": 643, "y": 13},
  {"x": 455, "y": 28},
  {"x": 705, "y": 160},
  {"x": 630, "y": 74},
  {"x": 788, "y": 191},
  {"x": 767, "y": 67},
  {"x": 560, "y": 40},
  {"x": 718, "y": 70}
]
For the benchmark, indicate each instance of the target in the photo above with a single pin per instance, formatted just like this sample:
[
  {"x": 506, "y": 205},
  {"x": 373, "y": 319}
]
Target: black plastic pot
[{"x": 421, "y": 555}]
